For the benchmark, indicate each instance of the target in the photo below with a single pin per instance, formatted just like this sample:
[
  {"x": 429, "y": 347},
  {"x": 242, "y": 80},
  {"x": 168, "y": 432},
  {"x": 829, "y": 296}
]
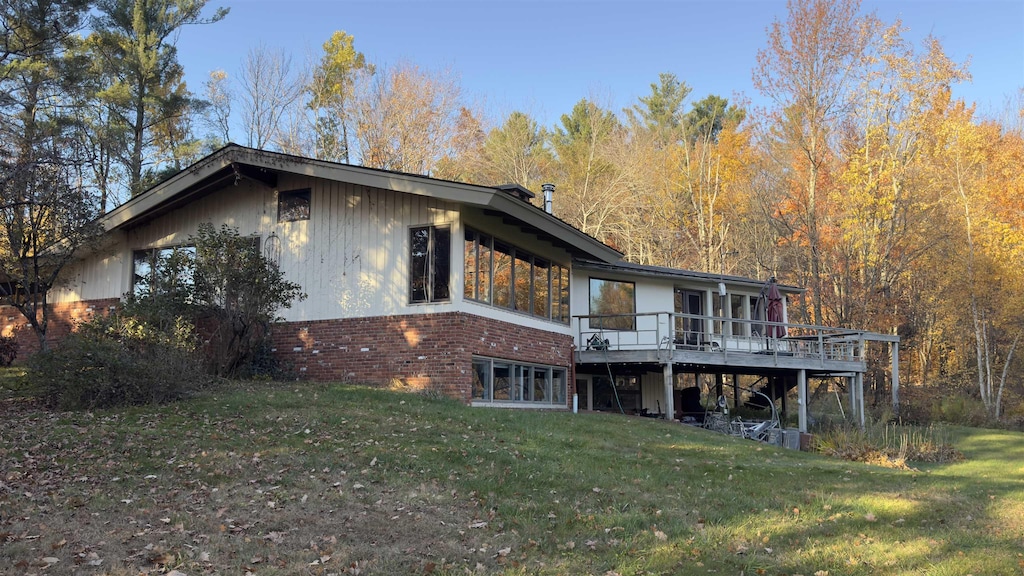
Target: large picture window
[
  {"x": 612, "y": 305},
  {"x": 162, "y": 270},
  {"x": 430, "y": 264},
  {"x": 505, "y": 276},
  {"x": 502, "y": 381}
]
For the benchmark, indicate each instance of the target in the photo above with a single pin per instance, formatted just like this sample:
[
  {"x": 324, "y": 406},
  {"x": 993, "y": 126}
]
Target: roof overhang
[
  {"x": 630, "y": 269},
  {"x": 233, "y": 163}
]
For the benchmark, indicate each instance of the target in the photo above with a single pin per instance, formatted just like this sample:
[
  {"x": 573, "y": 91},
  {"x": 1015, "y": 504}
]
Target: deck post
[
  {"x": 670, "y": 409},
  {"x": 860, "y": 398},
  {"x": 774, "y": 380},
  {"x": 895, "y": 378},
  {"x": 801, "y": 386},
  {"x": 851, "y": 388}
]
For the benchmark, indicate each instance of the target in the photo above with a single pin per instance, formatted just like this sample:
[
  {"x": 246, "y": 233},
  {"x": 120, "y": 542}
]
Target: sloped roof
[
  {"x": 630, "y": 268},
  {"x": 233, "y": 163}
]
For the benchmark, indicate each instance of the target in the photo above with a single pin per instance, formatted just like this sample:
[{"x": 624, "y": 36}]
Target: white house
[{"x": 468, "y": 290}]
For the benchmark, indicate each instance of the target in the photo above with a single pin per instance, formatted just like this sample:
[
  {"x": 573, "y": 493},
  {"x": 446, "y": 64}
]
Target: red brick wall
[
  {"x": 430, "y": 351},
  {"x": 62, "y": 320}
]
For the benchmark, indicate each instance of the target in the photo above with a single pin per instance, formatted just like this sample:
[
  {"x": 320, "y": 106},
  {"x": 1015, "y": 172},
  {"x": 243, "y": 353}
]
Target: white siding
[
  {"x": 350, "y": 257},
  {"x": 652, "y": 391},
  {"x": 98, "y": 277}
]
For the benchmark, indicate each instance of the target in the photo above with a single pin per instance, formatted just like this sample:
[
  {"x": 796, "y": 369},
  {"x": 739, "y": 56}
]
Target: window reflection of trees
[
  {"x": 507, "y": 277},
  {"x": 429, "y": 264},
  {"x": 614, "y": 303},
  {"x": 162, "y": 270},
  {"x": 502, "y": 275},
  {"x": 495, "y": 380}
]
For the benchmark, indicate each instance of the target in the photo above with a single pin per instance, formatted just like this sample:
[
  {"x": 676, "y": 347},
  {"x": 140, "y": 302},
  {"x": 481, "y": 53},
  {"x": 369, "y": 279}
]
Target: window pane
[
  {"x": 502, "y": 381},
  {"x": 484, "y": 269},
  {"x": 471, "y": 278},
  {"x": 523, "y": 277},
  {"x": 163, "y": 270},
  {"x": 142, "y": 275},
  {"x": 502, "y": 275},
  {"x": 541, "y": 290},
  {"x": 176, "y": 267},
  {"x": 481, "y": 379},
  {"x": 441, "y": 253},
  {"x": 558, "y": 386},
  {"x": 604, "y": 395},
  {"x": 736, "y": 307},
  {"x": 293, "y": 205},
  {"x": 522, "y": 383},
  {"x": 694, "y": 305},
  {"x": 419, "y": 264},
  {"x": 612, "y": 299},
  {"x": 563, "y": 300},
  {"x": 582, "y": 392},
  {"x": 541, "y": 385}
]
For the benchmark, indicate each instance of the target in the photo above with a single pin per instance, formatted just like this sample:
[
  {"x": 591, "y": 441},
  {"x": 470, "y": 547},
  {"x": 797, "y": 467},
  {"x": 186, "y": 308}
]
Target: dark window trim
[
  {"x": 283, "y": 198},
  {"x": 432, "y": 274},
  {"x": 553, "y": 306},
  {"x": 516, "y": 394}
]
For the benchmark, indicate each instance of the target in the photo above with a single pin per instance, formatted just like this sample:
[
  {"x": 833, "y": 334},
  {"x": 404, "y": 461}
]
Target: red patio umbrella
[{"x": 774, "y": 311}]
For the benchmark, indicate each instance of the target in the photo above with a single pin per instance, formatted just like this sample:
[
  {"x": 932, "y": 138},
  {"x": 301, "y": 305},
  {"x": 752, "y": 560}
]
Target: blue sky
[{"x": 542, "y": 57}]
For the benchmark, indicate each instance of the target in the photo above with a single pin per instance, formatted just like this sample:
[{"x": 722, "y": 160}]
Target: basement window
[
  {"x": 503, "y": 381},
  {"x": 293, "y": 205}
]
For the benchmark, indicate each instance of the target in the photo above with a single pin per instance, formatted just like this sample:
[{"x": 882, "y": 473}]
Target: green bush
[
  {"x": 8, "y": 350},
  {"x": 237, "y": 292},
  {"x": 959, "y": 409},
  {"x": 116, "y": 361},
  {"x": 228, "y": 290}
]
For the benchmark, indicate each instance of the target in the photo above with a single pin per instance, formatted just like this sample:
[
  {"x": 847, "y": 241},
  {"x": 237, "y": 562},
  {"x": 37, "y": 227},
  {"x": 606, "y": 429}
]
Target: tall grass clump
[{"x": 887, "y": 444}]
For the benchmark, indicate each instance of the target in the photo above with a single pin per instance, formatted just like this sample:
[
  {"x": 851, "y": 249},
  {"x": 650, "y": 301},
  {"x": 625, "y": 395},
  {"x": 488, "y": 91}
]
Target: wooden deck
[
  {"x": 674, "y": 343},
  {"x": 667, "y": 337}
]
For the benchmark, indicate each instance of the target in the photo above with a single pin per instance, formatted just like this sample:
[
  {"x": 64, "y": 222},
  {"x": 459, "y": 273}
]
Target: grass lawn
[{"x": 333, "y": 479}]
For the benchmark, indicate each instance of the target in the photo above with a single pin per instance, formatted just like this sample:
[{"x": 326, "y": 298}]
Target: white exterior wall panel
[
  {"x": 101, "y": 279},
  {"x": 350, "y": 257}
]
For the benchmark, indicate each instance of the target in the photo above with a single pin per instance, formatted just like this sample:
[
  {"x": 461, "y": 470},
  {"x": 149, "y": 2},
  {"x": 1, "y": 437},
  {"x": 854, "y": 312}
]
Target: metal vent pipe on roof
[{"x": 549, "y": 192}]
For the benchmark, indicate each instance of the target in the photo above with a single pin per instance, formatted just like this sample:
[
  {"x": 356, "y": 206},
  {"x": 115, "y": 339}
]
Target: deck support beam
[
  {"x": 851, "y": 391},
  {"x": 895, "y": 378},
  {"x": 860, "y": 399},
  {"x": 670, "y": 409},
  {"x": 801, "y": 386}
]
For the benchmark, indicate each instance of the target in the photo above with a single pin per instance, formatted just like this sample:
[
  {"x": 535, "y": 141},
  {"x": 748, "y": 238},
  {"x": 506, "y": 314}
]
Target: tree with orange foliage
[{"x": 808, "y": 70}]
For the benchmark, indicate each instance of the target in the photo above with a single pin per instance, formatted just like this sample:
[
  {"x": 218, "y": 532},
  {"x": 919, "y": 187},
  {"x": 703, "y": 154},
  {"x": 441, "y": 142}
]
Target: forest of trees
[{"x": 864, "y": 180}]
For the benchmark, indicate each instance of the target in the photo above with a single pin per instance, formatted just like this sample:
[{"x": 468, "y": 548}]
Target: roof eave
[
  {"x": 196, "y": 175},
  {"x": 683, "y": 274},
  {"x": 564, "y": 232}
]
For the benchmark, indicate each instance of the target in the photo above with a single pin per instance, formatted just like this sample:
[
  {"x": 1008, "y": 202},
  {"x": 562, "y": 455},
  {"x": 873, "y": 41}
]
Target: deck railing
[{"x": 716, "y": 335}]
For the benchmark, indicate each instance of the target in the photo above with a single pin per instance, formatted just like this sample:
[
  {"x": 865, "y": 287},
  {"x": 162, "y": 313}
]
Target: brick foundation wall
[
  {"x": 63, "y": 318},
  {"x": 430, "y": 351}
]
